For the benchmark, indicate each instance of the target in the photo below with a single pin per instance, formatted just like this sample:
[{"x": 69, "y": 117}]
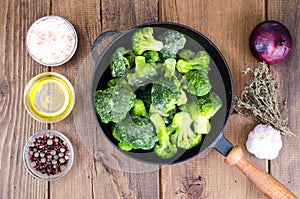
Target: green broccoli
[
  {"x": 209, "y": 104},
  {"x": 193, "y": 61},
  {"x": 183, "y": 136},
  {"x": 135, "y": 133},
  {"x": 196, "y": 82},
  {"x": 151, "y": 56},
  {"x": 112, "y": 104},
  {"x": 166, "y": 93},
  {"x": 182, "y": 98},
  {"x": 130, "y": 56},
  {"x": 144, "y": 72},
  {"x": 144, "y": 93},
  {"x": 192, "y": 107},
  {"x": 202, "y": 126},
  {"x": 113, "y": 82},
  {"x": 202, "y": 108},
  {"x": 143, "y": 40},
  {"x": 173, "y": 41},
  {"x": 169, "y": 67},
  {"x": 164, "y": 148},
  {"x": 168, "y": 119},
  {"x": 186, "y": 54},
  {"x": 120, "y": 65},
  {"x": 139, "y": 109},
  {"x": 103, "y": 100},
  {"x": 200, "y": 123}
]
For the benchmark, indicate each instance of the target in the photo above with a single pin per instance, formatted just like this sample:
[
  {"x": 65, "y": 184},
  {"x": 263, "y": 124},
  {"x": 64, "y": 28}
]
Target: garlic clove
[{"x": 264, "y": 142}]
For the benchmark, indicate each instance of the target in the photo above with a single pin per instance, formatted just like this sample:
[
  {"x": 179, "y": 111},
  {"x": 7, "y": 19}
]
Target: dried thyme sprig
[{"x": 259, "y": 100}]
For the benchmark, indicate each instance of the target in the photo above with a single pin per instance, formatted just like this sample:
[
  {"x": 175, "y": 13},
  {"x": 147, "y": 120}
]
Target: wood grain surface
[
  {"x": 287, "y": 73},
  {"x": 227, "y": 24},
  {"x": 16, "y": 69}
]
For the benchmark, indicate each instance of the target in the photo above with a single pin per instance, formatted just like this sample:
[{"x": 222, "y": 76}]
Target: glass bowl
[
  {"x": 48, "y": 155},
  {"x": 49, "y": 97},
  {"x": 51, "y": 41}
]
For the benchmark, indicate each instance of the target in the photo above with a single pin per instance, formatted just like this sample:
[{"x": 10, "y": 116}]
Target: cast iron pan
[{"x": 222, "y": 84}]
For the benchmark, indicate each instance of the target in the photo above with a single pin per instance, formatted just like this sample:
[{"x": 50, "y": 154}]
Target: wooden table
[{"x": 227, "y": 23}]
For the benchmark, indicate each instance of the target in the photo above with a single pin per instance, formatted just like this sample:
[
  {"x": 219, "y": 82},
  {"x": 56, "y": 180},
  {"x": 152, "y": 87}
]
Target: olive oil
[{"x": 50, "y": 97}]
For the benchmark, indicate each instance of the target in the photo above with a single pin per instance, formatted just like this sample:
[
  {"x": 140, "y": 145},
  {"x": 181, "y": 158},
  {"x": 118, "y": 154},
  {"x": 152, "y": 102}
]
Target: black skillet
[{"x": 222, "y": 84}]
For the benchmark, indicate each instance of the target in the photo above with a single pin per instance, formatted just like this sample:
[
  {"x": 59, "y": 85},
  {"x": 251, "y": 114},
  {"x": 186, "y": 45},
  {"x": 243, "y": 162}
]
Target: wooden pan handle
[{"x": 268, "y": 185}]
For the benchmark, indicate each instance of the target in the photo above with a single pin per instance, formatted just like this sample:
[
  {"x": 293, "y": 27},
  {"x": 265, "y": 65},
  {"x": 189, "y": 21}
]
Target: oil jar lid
[{"x": 51, "y": 40}]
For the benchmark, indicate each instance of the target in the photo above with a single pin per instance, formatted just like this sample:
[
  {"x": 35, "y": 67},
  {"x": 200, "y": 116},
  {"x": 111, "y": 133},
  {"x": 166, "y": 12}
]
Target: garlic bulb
[{"x": 264, "y": 142}]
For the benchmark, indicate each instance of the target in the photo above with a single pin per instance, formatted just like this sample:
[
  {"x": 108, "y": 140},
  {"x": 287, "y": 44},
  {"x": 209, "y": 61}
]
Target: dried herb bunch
[{"x": 259, "y": 100}]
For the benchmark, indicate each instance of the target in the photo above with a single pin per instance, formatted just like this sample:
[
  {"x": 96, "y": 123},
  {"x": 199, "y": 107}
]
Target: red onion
[{"x": 270, "y": 41}]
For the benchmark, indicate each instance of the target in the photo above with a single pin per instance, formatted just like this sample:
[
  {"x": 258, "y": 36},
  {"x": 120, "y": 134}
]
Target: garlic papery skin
[{"x": 264, "y": 142}]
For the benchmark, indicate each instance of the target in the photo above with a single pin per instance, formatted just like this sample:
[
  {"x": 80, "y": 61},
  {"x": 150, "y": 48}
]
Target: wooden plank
[
  {"x": 287, "y": 166},
  {"x": 16, "y": 125},
  {"x": 99, "y": 177},
  {"x": 122, "y": 15},
  {"x": 79, "y": 182},
  {"x": 228, "y": 24}
]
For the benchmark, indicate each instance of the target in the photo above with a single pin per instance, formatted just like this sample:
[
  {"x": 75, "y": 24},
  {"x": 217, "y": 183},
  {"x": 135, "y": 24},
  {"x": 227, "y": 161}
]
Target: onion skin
[{"x": 270, "y": 42}]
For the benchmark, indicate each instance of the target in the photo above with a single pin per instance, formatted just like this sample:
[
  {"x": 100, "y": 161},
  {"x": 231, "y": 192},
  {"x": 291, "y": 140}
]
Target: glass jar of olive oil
[{"x": 49, "y": 97}]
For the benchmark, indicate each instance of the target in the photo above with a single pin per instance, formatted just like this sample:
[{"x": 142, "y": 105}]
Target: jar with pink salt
[{"x": 51, "y": 41}]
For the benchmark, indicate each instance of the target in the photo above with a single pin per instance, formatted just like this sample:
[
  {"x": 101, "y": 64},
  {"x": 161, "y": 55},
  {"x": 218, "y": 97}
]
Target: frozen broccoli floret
[
  {"x": 199, "y": 61},
  {"x": 144, "y": 73},
  {"x": 164, "y": 148},
  {"x": 112, "y": 104},
  {"x": 196, "y": 82},
  {"x": 120, "y": 65},
  {"x": 135, "y": 133},
  {"x": 143, "y": 40},
  {"x": 102, "y": 101},
  {"x": 186, "y": 54},
  {"x": 192, "y": 107},
  {"x": 166, "y": 93},
  {"x": 144, "y": 93},
  {"x": 130, "y": 56},
  {"x": 209, "y": 104},
  {"x": 113, "y": 82},
  {"x": 168, "y": 119},
  {"x": 183, "y": 136},
  {"x": 182, "y": 98},
  {"x": 202, "y": 126},
  {"x": 169, "y": 67},
  {"x": 200, "y": 123},
  {"x": 173, "y": 41},
  {"x": 202, "y": 108},
  {"x": 151, "y": 56},
  {"x": 139, "y": 109}
]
